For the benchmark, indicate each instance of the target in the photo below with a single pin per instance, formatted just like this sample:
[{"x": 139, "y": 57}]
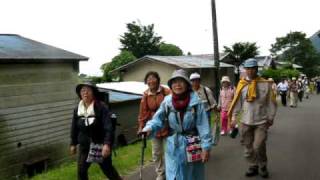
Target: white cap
[
  {"x": 194, "y": 76},
  {"x": 225, "y": 79}
]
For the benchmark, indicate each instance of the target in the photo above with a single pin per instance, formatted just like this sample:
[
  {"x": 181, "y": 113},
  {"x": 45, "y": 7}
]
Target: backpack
[{"x": 114, "y": 124}]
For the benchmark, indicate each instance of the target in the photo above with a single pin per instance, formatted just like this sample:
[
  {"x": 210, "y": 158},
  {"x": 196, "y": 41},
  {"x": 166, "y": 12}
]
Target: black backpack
[{"x": 114, "y": 124}]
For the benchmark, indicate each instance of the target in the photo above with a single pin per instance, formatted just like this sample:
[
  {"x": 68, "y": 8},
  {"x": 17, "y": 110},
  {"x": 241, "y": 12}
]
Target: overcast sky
[{"x": 92, "y": 27}]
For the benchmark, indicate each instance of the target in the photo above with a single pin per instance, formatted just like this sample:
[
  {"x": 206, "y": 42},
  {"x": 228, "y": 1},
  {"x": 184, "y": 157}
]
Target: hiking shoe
[
  {"x": 252, "y": 171},
  {"x": 264, "y": 172}
]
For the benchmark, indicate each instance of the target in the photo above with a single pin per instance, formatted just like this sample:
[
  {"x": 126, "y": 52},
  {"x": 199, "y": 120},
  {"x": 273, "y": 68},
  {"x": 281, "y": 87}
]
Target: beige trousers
[
  {"x": 158, "y": 157},
  {"x": 253, "y": 138},
  {"x": 294, "y": 99}
]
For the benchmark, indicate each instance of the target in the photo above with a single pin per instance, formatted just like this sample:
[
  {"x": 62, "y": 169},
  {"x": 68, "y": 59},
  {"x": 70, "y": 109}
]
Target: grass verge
[{"x": 126, "y": 161}]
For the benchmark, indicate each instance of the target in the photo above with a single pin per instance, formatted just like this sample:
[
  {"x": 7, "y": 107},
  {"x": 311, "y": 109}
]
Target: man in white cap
[
  {"x": 204, "y": 93},
  {"x": 254, "y": 98}
]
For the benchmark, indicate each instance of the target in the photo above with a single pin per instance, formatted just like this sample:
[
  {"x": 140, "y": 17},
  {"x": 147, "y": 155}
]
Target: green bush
[{"x": 278, "y": 74}]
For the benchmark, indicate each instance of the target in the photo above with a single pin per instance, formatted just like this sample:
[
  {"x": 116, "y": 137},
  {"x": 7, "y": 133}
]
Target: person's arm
[
  {"x": 204, "y": 131},
  {"x": 74, "y": 133},
  {"x": 107, "y": 125},
  {"x": 108, "y": 131},
  {"x": 203, "y": 128},
  {"x": 157, "y": 121},
  {"x": 219, "y": 102},
  {"x": 74, "y": 129},
  {"x": 237, "y": 108},
  {"x": 143, "y": 113},
  {"x": 211, "y": 99},
  {"x": 278, "y": 86},
  {"x": 271, "y": 106}
]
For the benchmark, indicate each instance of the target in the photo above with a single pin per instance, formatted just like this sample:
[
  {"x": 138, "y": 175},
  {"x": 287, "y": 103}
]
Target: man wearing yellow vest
[{"x": 255, "y": 101}]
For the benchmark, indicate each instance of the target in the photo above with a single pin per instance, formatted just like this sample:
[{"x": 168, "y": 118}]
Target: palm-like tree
[{"x": 241, "y": 51}]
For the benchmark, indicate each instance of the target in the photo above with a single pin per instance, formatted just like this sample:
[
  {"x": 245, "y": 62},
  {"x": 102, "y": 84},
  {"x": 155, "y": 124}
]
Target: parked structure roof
[
  {"x": 15, "y": 48},
  {"x": 119, "y": 91},
  {"x": 185, "y": 62},
  {"x": 131, "y": 87},
  {"x": 124, "y": 91},
  {"x": 295, "y": 66},
  {"x": 116, "y": 97}
]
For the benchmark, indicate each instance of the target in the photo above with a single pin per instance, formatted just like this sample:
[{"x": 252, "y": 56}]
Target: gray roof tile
[{"x": 17, "y": 48}]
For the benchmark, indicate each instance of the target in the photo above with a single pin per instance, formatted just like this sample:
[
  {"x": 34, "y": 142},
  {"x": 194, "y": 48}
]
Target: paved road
[{"x": 293, "y": 148}]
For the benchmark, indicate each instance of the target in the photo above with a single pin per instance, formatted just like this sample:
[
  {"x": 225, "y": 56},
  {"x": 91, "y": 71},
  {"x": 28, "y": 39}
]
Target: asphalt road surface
[{"x": 293, "y": 148}]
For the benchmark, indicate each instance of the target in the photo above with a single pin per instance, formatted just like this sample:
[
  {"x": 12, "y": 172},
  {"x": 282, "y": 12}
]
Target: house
[
  {"x": 165, "y": 65},
  {"x": 37, "y": 97},
  {"x": 282, "y": 64},
  {"x": 315, "y": 39}
]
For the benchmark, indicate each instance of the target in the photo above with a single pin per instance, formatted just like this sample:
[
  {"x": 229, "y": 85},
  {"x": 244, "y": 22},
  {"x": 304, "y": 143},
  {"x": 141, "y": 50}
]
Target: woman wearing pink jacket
[{"x": 225, "y": 99}]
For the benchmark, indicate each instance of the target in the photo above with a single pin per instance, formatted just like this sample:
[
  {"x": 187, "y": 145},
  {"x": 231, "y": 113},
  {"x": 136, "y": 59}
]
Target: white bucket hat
[
  {"x": 194, "y": 76},
  {"x": 225, "y": 79}
]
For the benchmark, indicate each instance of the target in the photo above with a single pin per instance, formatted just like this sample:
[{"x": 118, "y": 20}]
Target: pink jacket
[{"x": 225, "y": 98}]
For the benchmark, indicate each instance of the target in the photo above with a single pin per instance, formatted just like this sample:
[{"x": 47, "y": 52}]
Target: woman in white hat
[
  {"x": 184, "y": 113},
  {"x": 225, "y": 99}
]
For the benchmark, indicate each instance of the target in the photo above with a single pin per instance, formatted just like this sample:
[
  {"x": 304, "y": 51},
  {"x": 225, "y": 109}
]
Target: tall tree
[
  {"x": 121, "y": 59},
  {"x": 296, "y": 48},
  {"x": 140, "y": 40},
  {"x": 169, "y": 50},
  {"x": 241, "y": 51}
]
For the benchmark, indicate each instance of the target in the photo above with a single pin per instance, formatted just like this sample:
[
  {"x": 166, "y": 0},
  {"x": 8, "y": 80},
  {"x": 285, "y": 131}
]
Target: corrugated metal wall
[{"x": 36, "y": 104}]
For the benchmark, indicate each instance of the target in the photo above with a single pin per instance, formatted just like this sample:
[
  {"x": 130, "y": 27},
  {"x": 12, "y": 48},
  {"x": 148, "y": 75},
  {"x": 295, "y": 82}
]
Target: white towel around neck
[{"x": 86, "y": 112}]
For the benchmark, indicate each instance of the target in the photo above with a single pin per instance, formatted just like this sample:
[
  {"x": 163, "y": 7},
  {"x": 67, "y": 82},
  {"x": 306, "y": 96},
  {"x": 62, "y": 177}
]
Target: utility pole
[{"x": 216, "y": 57}]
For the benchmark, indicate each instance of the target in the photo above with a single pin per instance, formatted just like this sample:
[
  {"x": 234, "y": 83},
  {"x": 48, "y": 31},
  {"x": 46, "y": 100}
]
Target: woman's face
[
  {"x": 86, "y": 94},
  {"x": 225, "y": 84},
  {"x": 179, "y": 86},
  {"x": 152, "y": 82}
]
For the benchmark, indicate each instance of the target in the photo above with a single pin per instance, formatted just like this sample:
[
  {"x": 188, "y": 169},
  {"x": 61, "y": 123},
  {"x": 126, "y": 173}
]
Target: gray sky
[{"x": 92, "y": 27}]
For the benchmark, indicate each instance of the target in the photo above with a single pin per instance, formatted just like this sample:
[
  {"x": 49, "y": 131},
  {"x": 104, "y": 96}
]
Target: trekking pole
[{"x": 143, "y": 147}]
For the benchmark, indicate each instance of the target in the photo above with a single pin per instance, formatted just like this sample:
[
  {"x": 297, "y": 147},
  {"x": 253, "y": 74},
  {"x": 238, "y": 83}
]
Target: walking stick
[
  {"x": 143, "y": 147},
  {"x": 216, "y": 128}
]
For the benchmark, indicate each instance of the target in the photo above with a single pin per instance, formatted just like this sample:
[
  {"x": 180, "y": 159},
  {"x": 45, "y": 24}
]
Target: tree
[
  {"x": 123, "y": 58},
  {"x": 240, "y": 52},
  {"x": 140, "y": 40},
  {"x": 296, "y": 48},
  {"x": 169, "y": 50},
  {"x": 278, "y": 74}
]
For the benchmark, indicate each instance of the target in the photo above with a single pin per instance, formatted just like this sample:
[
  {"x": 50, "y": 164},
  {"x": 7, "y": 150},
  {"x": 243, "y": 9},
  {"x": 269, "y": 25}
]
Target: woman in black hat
[{"x": 91, "y": 125}]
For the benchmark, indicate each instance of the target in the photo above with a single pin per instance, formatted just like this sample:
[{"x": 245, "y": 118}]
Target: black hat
[{"x": 88, "y": 84}]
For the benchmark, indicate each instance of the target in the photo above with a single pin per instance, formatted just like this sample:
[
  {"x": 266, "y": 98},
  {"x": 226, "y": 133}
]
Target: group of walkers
[
  {"x": 186, "y": 112},
  {"x": 296, "y": 89},
  {"x": 178, "y": 121}
]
